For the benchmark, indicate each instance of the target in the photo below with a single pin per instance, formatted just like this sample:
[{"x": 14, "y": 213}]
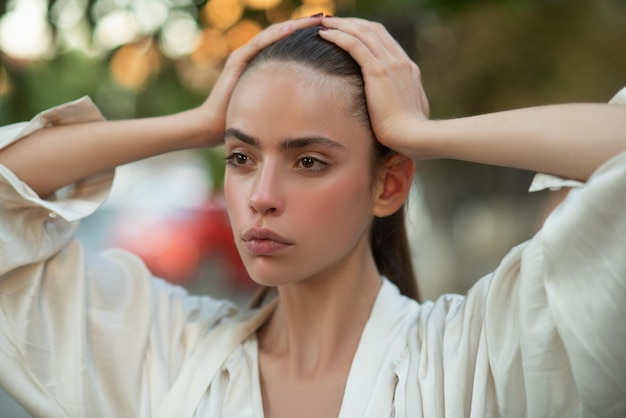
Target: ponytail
[{"x": 392, "y": 253}]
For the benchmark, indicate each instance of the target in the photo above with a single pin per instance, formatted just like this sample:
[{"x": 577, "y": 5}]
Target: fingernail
[
  {"x": 320, "y": 27},
  {"x": 318, "y": 15},
  {"x": 328, "y": 16}
]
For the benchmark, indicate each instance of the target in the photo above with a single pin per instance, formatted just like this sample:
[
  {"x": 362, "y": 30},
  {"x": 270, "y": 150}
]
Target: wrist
[
  {"x": 198, "y": 130},
  {"x": 419, "y": 139}
]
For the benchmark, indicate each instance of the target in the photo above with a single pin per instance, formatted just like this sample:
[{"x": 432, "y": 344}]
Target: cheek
[
  {"x": 343, "y": 207},
  {"x": 235, "y": 201},
  {"x": 313, "y": 207}
]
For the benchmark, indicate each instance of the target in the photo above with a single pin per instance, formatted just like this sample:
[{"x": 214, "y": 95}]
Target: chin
[
  {"x": 272, "y": 280},
  {"x": 271, "y": 274}
]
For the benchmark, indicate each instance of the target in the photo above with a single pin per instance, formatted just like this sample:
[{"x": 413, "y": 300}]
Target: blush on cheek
[
  {"x": 341, "y": 208},
  {"x": 234, "y": 202}
]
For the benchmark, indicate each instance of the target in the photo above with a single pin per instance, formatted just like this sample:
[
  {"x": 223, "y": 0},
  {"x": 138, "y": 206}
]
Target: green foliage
[
  {"x": 475, "y": 55},
  {"x": 39, "y": 85}
]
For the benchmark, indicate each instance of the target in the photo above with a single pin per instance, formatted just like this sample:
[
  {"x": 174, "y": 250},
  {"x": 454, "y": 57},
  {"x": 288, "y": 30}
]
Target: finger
[
  {"x": 390, "y": 43},
  {"x": 273, "y": 34},
  {"x": 396, "y": 59},
  {"x": 369, "y": 63},
  {"x": 373, "y": 35},
  {"x": 239, "y": 58},
  {"x": 364, "y": 33},
  {"x": 405, "y": 73}
]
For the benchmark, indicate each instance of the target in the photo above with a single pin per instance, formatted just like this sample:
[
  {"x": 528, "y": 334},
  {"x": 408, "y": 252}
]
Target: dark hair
[{"x": 388, "y": 239}]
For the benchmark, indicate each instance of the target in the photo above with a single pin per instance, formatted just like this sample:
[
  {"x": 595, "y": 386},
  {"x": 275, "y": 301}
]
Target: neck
[{"x": 318, "y": 322}]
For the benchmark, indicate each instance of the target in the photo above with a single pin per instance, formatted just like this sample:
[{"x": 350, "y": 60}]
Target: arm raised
[
  {"x": 569, "y": 140},
  {"x": 53, "y": 157}
]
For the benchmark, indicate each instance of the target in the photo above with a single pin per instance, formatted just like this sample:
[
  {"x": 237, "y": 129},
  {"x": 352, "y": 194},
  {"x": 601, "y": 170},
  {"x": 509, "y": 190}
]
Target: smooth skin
[
  {"x": 307, "y": 346},
  {"x": 302, "y": 169},
  {"x": 568, "y": 140},
  {"x": 61, "y": 155}
]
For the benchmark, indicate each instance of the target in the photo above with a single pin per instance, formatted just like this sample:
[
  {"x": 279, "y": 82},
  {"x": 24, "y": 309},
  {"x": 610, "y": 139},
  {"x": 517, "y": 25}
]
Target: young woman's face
[{"x": 298, "y": 182}]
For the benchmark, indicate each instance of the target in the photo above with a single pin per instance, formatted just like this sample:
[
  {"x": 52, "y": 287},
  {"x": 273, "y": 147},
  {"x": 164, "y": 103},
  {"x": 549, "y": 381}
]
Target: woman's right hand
[
  {"x": 213, "y": 110},
  {"x": 56, "y": 156}
]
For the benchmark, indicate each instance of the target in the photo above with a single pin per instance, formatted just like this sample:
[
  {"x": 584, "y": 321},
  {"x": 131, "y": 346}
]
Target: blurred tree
[
  {"x": 151, "y": 57},
  {"x": 470, "y": 47}
]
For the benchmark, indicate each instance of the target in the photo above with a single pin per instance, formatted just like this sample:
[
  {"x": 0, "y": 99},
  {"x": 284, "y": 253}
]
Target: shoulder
[{"x": 454, "y": 315}]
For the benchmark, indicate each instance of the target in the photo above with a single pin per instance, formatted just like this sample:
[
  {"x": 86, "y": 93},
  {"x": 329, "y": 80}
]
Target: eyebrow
[{"x": 286, "y": 143}]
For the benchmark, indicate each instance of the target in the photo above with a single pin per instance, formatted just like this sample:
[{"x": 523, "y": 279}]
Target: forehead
[
  {"x": 292, "y": 75},
  {"x": 277, "y": 100}
]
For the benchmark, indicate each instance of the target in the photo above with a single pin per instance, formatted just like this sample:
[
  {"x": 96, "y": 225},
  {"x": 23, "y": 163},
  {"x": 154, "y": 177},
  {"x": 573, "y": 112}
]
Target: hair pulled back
[{"x": 389, "y": 242}]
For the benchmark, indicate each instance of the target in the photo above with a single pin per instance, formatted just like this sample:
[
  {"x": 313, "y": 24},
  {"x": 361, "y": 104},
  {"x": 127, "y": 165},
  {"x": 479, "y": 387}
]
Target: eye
[
  {"x": 237, "y": 159},
  {"x": 307, "y": 162},
  {"x": 313, "y": 164}
]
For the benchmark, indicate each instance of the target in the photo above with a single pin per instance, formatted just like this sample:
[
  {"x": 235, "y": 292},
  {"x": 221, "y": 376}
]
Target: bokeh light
[
  {"x": 222, "y": 14},
  {"x": 117, "y": 28},
  {"x": 309, "y": 8},
  {"x": 132, "y": 64},
  {"x": 66, "y": 14},
  {"x": 24, "y": 30},
  {"x": 280, "y": 12},
  {"x": 179, "y": 35},
  {"x": 196, "y": 77},
  {"x": 133, "y": 38},
  {"x": 211, "y": 48},
  {"x": 261, "y": 4},
  {"x": 241, "y": 33},
  {"x": 150, "y": 14}
]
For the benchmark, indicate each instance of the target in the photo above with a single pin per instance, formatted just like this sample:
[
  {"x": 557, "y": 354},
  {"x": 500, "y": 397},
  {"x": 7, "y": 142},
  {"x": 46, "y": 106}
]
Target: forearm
[
  {"x": 565, "y": 140},
  {"x": 53, "y": 157}
]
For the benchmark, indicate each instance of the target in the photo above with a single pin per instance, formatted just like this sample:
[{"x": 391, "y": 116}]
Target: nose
[{"x": 266, "y": 197}]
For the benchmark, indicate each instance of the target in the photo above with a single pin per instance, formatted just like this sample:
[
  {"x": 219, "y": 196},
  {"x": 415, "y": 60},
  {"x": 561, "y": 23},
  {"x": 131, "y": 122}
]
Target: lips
[{"x": 261, "y": 241}]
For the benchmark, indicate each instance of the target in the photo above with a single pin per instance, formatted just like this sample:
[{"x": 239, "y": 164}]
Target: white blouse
[{"x": 85, "y": 335}]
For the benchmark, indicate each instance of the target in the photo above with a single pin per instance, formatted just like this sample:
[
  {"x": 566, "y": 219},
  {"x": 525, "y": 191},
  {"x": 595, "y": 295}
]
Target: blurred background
[{"x": 139, "y": 58}]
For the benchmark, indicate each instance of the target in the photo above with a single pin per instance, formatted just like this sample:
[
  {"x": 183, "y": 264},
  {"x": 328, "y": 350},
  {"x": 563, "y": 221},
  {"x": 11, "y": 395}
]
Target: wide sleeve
[
  {"x": 84, "y": 335},
  {"x": 544, "y": 335},
  {"x": 555, "y": 316},
  {"x": 32, "y": 229}
]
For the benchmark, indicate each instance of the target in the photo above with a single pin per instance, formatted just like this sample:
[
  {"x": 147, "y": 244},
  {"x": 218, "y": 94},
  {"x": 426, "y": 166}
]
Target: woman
[{"x": 86, "y": 335}]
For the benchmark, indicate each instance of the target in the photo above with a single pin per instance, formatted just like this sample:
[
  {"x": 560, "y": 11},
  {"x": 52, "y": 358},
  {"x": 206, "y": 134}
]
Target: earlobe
[{"x": 394, "y": 182}]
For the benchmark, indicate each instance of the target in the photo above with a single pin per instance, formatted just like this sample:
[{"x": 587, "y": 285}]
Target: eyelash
[
  {"x": 231, "y": 159},
  {"x": 319, "y": 166}
]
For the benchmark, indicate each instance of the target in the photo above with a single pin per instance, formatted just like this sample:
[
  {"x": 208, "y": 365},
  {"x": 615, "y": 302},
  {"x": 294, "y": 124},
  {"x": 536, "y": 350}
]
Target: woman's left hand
[
  {"x": 396, "y": 100},
  {"x": 567, "y": 140}
]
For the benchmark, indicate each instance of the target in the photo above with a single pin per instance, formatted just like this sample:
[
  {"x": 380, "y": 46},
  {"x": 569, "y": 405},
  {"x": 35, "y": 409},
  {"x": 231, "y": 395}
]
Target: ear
[{"x": 393, "y": 182}]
